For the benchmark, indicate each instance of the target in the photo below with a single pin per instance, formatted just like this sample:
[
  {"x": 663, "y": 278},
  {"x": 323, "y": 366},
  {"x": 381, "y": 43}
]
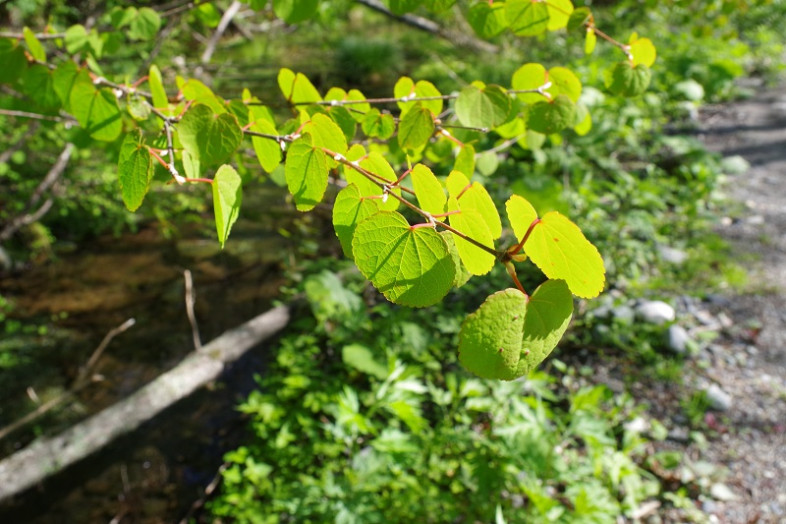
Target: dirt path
[{"x": 753, "y": 446}]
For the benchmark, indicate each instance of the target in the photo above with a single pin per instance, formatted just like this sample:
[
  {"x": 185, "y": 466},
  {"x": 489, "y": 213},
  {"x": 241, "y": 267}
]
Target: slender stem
[
  {"x": 512, "y": 272},
  {"x": 518, "y": 247}
]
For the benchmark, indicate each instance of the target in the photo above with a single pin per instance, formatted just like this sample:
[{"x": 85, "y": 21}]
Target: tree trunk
[{"x": 47, "y": 456}]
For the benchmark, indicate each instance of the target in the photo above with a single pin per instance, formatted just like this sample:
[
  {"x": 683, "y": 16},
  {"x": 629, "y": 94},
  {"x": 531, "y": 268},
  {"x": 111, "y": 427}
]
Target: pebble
[
  {"x": 719, "y": 400},
  {"x": 655, "y": 312},
  {"x": 677, "y": 339},
  {"x": 623, "y": 313},
  {"x": 672, "y": 255}
]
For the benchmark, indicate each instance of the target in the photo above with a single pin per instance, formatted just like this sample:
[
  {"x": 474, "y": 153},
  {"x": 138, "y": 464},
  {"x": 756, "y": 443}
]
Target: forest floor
[{"x": 748, "y": 360}]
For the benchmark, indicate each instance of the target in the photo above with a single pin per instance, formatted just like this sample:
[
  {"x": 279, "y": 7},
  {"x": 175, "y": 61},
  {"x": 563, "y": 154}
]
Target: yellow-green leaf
[{"x": 227, "y": 198}]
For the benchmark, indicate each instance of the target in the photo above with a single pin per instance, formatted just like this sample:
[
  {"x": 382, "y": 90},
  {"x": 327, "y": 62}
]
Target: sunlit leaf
[
  {"x": 410, "y": 266},
  {"x": 349, "y": 209},
  {"x": 227, "y": 198},
  {"x": 135, "y": 169},
  {"x": 306, "y": 172}
]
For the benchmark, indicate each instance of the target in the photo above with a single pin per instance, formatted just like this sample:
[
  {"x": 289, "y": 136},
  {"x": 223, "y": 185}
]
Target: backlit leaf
[
  {"x": 378, "y": 125},
  {"x": 160, "y": 100},
  {"x": 349, "y": 209},
  {"x": 415, "y": 128},
  {"x": 559, "y": 248},
  {"x": 529, "y": 77},
  {"x": 135, "y": 169},
  {"x": 474, "y": 197},
  {"x": 295, "y": 11},
  {"x": 34, "y": 45},
  {"x": 477, "y": 260},
  {"x": 484, "y": 108},
  {"x": 227, "y": 198},
  {"x": 405, "y": 87},
  {"x": 96, "y": 110},
  {"x": 297, "y": 88},
  {"x": 465, "y": 160},
  {"x": 208, "y": 137},
  {"x": 268, "y": 151},
  {"x": 559, "y": 13},
  {"x": 527, "y": 18},
  {"x": 487, "y": 20},
  {"x": 306, "y": 172},
  {"x": 643, "y": 51},
  {"x": 428, "y": 190},
  {"x": 410, "y": 266}
]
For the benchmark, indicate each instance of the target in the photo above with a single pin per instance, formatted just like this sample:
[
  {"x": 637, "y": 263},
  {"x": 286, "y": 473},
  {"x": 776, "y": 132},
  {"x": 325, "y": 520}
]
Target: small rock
[
  {"x": 677, "y": 339},
  {"x": 672, "y": 255},
  {"x": 720, "y": 491},
  {"x": 655, "y": 312},
  {"x": 752, "y": 350},
  {"x": 719, "y": 400},
  {"x": 623, "y": 313},
  {"x": 755, "y": 220},
  {"x": 5, "y": 260}
]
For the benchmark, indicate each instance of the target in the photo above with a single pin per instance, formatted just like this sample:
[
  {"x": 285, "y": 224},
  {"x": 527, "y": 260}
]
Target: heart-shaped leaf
[
  {"x": 411, "y": 266},
  {"x": 227, "y": 198}
]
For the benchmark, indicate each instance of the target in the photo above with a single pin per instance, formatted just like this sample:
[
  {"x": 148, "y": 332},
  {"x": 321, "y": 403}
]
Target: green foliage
[{"x": 365, "y": 417}]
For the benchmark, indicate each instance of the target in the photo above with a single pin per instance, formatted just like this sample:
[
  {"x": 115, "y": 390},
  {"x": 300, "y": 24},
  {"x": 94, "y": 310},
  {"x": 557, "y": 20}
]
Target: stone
[
  {"x": 6, "y": 264},
  {"x": 623, "y": 313},
  {"x": 677, "y": 339},
  {"x": 672, "y": 255},
  {"x": 718, "y": 399},
  {"x": 655, "y": 312}
]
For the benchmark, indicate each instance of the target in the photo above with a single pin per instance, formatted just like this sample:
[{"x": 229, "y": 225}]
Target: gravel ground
[{"x": 748, "y": 362}]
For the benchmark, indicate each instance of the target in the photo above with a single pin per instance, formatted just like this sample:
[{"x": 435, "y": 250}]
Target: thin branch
[
  {"x": 229, "y": 14},
  {"x": 35, "y": 116},
  {"x": 51, "y": 177},
  {"x": 424, "y": 24},
  {"x": 39, "y": 36},
  {"x": 84, "y": 379},
  {"x": 190, "y": 309}
]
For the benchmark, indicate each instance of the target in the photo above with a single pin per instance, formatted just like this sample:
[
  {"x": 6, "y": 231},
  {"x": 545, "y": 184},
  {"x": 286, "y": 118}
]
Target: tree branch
[
  {"x": 429, "y": 26},
  {"x": 229, "y": 14},
  {"x": 29, "y": 217}
]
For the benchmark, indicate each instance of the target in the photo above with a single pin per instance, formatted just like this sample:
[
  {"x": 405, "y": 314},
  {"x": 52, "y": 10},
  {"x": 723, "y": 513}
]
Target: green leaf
[
  {"x": 410, "y": 266},
  {"x": 628, "y": 81},
  {"x": 462, "y": 274},
  {"x": 38, "y": 84},
  {"x": 34, "y": 45},
  {"x": 559, "y": 248},
  {"x": 209, "y": 138},
  {"x": 95, "y": 110},
  {"x": 591, "y": 40},
  {"x": 306, "y": 172},
  {"x": 490, "y": 339},
  {"x": 326, "y": 133},
  {"x": 564, "y": 82},
  {"x": 552, "y": 117},
  {"x": 145, "y": 24},
  {"x": 487, "y": 163},
  {"x": 485, "y": 108},
  {"x": 268, "y": 151},
  {"x": 401, "y": 7},
  {"x": 508, "y": 336},
  {"x": 198, "y": 92},
  {"x": 349, "y": 209},
  {"x": 415, "y": 128},
  {"x": 528, "y": 77},
  {"x": 361, "y": 358},
  {"x": 642, "y": 51},
  {"x": 160, "y": 100},
  {"x": 374, "y": 163},
  {"x": 521, "y": 215},
  {"x": 297, "y": 88},
  {"x": 75, "y": 39},
  {"x": 378, "y": 125},
  {"x": 549, "y": 311},
  {"x": 135, "y": 170},
  {"x": 63, "y": 79},
  {"x": 527, "y": 18},
  {"x": 405, "y": 87},
  {"x": 295, "y": 11},
  {"x": 429, "y": 192},
  {"x": 227, "y": 198},
  {"x": 477, "y": 261},
  {"x": 474, "y": 197},
  {"x": 559, "y": 13},
  {"x": 578, "y": 18},
  {"x": 137, "y": 107},
  {"x": 12, "y": 56},
  {"x": 487, "y": 20},
  {"x": 465, "y": 160}
]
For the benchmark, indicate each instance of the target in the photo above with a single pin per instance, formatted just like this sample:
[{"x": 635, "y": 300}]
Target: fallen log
[{"x": 47, "y": 456}]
